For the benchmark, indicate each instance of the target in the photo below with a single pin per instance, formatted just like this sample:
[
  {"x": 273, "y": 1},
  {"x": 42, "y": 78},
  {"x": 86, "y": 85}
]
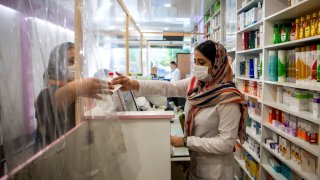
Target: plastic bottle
[
  {"x": 307, "y": 27},
  {"x": 303, "y": 65},
  {"x": 276, "y": 35},
  {"x": 260, "y": 68},
  {"x": 308, "y": 63},
  {"x": 298, "y": 65},
  {"x": 109, "y": 79},
  {"x": 283, "y": 35},
  {"x": 281, "y": 65},
  {"x": 314, "y": 24},
  {"x": 314, "y": 66},
  {"x": 301, "y": 30},
  {"x": 273, "y": 66},
  {"x": 297, "y": 30},
  {"x": 292, "y": 31}
]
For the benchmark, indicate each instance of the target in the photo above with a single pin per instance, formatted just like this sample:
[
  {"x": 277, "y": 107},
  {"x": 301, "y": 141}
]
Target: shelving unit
[
  {"x": 276, "y": 11},
  {"x": 243, "y": 166}
]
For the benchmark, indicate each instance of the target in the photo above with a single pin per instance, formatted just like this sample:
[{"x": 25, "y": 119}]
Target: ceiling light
[
  {"x": 167, "y": 5},
  {"x": 166, "y": 28}
]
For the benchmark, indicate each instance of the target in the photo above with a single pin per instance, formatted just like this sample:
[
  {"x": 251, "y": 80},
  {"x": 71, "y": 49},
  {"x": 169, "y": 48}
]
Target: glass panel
[{"x": 134, "y": 49}]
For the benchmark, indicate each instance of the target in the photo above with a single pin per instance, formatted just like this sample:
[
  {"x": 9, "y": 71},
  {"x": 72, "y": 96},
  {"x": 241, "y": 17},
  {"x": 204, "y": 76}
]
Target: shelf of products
[
  {"x": 248, "y": 6},
  {"x": 313, "y": 149},
  {"x": 253, "y": 154},
  {"x": 252, "y": 27},
  {"x": 276, "y": 34},
  {"x": 302, "y": 114},
  {"x": 294, "y": 11},
  {"x": 292, "y": 165},
  {"x": 294, "y": 85},
  {"x": 294, "y": 43},
  {"x": 272, "y": 172},
  {"x": 250, "y": 51},
  {"x": 243, "y": 166}
]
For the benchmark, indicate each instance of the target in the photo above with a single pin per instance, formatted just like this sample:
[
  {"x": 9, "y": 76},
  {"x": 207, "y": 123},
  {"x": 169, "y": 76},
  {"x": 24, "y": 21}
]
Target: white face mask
[
  {"x": 71, "y": 73},
  {"x": 201, "y": 73}
]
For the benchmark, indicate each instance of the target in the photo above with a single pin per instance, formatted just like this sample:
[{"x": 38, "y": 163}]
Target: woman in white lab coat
[{"x": 215, "y": 111}]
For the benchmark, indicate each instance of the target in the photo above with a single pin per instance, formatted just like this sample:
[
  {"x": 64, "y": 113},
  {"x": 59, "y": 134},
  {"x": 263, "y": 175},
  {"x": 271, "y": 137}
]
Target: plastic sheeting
[{"x": 38, "y": 90}]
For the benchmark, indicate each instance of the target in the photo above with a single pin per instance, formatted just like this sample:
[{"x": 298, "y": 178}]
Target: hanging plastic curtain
[{"x": 41, "y": 84}]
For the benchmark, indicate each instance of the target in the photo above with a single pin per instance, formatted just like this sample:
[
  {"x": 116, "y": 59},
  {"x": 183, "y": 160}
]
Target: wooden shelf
[
  {"x": 250, "y": 51},
  {"x": 294, "y": 85},
  {"x": 272, "y": 172},
  {"x": 293, "y": 166},
  {"x": 302, "y": 114},
  {"x": 313, "y": 149},
  {"x": 248, "y": 6},
  {"x": 293, "y": 44},
  {"x": 297, "y": 10},
  {"x": 252, "y": 27}
]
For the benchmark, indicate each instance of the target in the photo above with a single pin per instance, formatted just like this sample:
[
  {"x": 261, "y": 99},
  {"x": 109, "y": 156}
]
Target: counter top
[{"x": 136, "y": 115}]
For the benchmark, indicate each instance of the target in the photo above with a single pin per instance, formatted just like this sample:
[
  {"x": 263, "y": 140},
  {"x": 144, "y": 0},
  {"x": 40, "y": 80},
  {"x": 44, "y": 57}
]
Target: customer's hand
[
  {"x": 92, "y": 87},
  {"x": 126, "y": 83},
  {"x": 176, "y": 141}
]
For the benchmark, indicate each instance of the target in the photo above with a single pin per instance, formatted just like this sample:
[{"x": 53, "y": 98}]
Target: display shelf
[
  {"x": 248, "y": 79},
  {"x": 252, "y": 134},
  {"x": 272, "y": 172},
  {"x": 312, "y": 148},
  {"x": 250, "y": 51},
  {"x": 255, "y": 118},
  {"x": 253, "y": 154},
  {"x": 302, "y": 114},
  {"x": 313, "y": 88},
  {"x": 252, "y": 96},
  {"x": 292, "y": 165},
  {"x": 248, "y": 6},
  {"x": 301, "y": 8},
  {"x": 243, "y": 166},
  {"x": 252, "y": 27},
  {"x": 294, "y": 43}
]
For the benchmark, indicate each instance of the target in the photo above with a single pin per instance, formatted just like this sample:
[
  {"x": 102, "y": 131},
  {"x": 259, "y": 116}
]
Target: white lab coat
[
  {"x": 215, "y": 132},
  {"x": 175, "y": 75}
]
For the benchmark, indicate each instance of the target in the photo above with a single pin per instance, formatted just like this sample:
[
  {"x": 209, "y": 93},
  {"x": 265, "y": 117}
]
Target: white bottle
[{"x": 109, "y": 79}]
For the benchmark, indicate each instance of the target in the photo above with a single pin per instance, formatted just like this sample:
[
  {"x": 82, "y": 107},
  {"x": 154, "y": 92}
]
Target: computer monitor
[{"x": 126, "y": 101}]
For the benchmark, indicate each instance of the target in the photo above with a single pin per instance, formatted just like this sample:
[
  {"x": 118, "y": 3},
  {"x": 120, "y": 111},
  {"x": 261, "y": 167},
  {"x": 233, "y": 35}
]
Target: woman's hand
[
  {"x": 126, "y": 83},
  {"x": 176, "y": 141}
]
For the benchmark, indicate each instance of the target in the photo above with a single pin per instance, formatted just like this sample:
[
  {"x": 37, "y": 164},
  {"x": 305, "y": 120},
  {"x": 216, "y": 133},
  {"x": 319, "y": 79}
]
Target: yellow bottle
[
  {"x": 314, "y": 24},
  {"x": 301, "y": 35},
  {"x": 297, "y": 35},
  {"x": 307, "y": 26}
]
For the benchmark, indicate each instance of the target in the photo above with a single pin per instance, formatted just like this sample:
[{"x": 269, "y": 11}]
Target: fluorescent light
[
  {"x": 166, "y": 28},
  {"x": 167, "y": 5}
]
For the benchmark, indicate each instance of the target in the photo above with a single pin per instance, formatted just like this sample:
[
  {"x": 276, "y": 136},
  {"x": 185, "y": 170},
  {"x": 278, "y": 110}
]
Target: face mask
[
  {"x": 71, "y": 73},
  {"x": 201, "y": 73}
]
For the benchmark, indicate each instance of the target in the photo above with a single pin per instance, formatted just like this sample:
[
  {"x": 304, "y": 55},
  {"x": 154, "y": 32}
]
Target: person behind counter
[
  {"x": 215, "y": 111},
  {"x": 55, "y": 105}
]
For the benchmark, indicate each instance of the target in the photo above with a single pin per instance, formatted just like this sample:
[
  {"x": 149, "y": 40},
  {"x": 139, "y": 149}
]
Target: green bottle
[{"x": 276, "y": 35}]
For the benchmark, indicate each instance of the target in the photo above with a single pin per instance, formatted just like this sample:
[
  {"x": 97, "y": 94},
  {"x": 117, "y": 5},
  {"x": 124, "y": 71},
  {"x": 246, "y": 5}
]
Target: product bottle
[
  {"x": 283, "y": 33},
  {"x": 297, "y": 30},
  {"x": 298, "y": 65},
  {"x": 314, "y": 24},
  {"x": 307, "y": 27},
  {"x": 109, "y": 78},
  {"x": 276, "y": 35},
  {"x": 281, "y": 65},
  {"x": 292, "y": 31},
  {"x": 273, "y": 66},
  {"x": 314, "y": 66},
  {"x": 303, "y": 65},
  {"x": 308, "y": 63},
  {"x": 301, "y": 31}
]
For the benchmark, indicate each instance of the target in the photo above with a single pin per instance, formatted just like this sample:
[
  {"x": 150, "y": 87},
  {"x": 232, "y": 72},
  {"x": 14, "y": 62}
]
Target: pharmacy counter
[{"x": 147, "y": 140}]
